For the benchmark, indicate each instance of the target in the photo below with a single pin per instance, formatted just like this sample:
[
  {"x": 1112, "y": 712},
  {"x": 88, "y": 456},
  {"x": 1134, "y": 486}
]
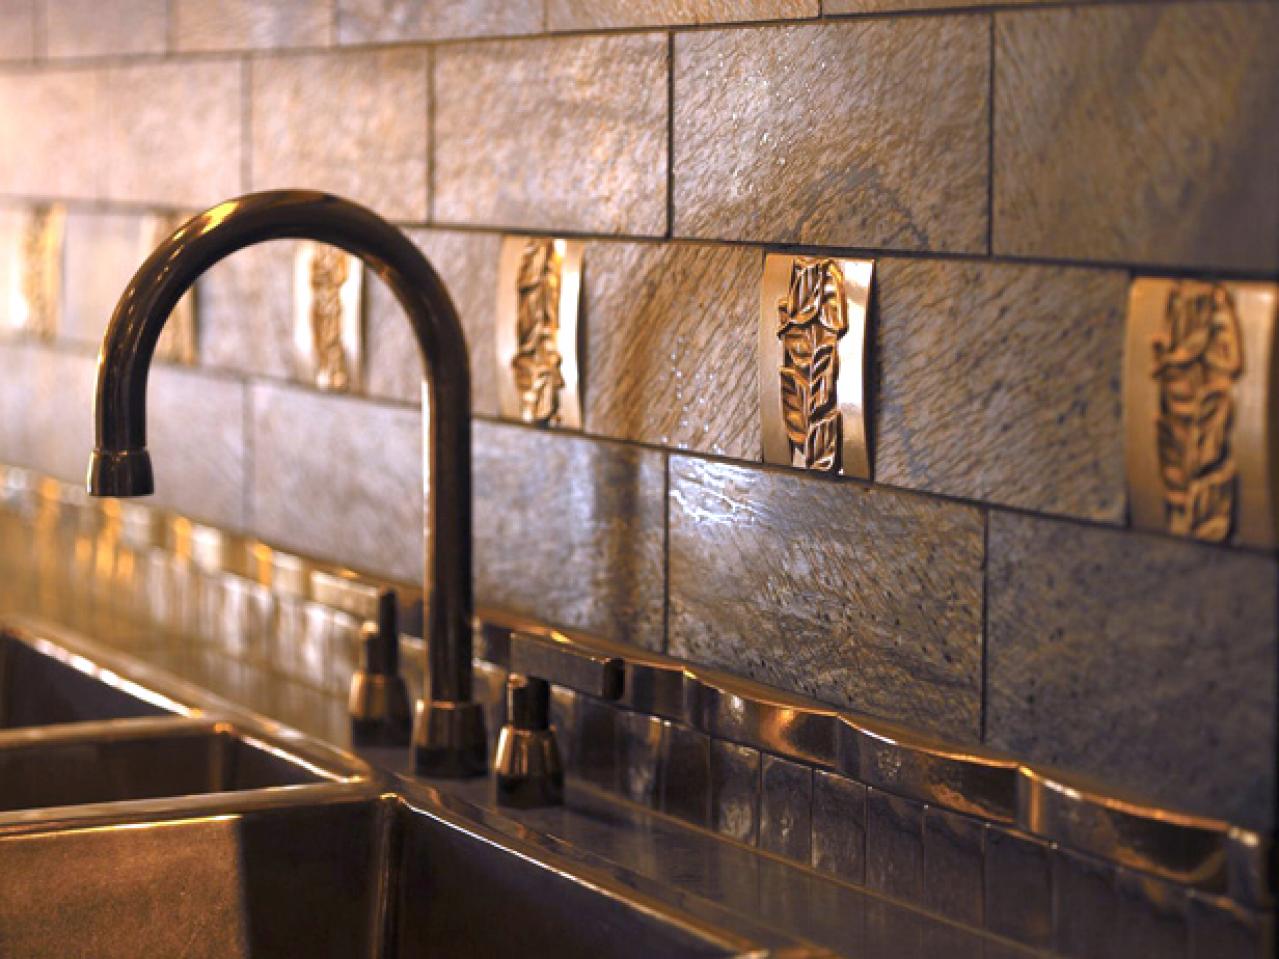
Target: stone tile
[
  {"x": 18, "y": 30},
  {"x": 350, "y": 123},
  {"x": 51, "y": 133},
  {"x": 466, "y": 262},
  {"x": 894, "y": 845},
  {"x": 365, "y": 21},
  {"x": 1018, "y": 886},
  {"x": 786, "y": 809},
  {"x": 901, "y": 163},
  {"x": 735, "y": 789},
  {"x": 612, "y": 14},
  {"x": 672, "y": 356},
  {"x": 251, "y": 25},
  {"x": 839, "y": 826},
  {"x": 102, "y": 251},
  {"x": 569, "y": 531},
  {"x": 1091, "y": 631},
  {"x": 174, "y": 133},
  {"x": 337, "y": 477},
  {"x": 95, "y": 28},
  {"x": 685, "y": 780},
  {"x": 762, "y": 565},
  {"x": 511, "y": 120},
  {"x": 953, "y": 848},
  {"x": 245, "y": 311},
  {"x": 1140, "y": 133},
  {"x": 54, "y": 434},
  {"x": 1002, "y": 383},
  {"x": 895, "y": 6}
]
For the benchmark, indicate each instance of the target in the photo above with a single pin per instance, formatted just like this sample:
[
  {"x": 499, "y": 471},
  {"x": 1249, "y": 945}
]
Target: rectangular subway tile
[
  {"x": 1220, "y": 929},
  {"x": 640, "y": 742},
  {"x": 597, "y": 743},
  {"x": 672, "y": 341},
  {"x": 96, "y": 28},
  {"x": 1142, "y": 133},
  {"x": 52, "y": 135},
  {"x": 200, "y": 25},
  {"x": 839, "y": 826},
  {"x": 379, "y": 21},
  {"x": 735, "y": 791},
  {"x": 1093, "y": 630},
  {"x": 686, "y": 774},
  {"x": 1018, "y": 886},
  {"x": 1002, "y": 383},
  {"x": 762, "y": 563},
  {"x": 895, "y": 846},
  {"x": 900, "y": 163},
  {"x": 1152, "y": 916},
  {"x": 786, "y": 809},
  {"x": 245, "y": 311},
  {"x": 615, "y": 14},
  {"x": 351, "y": 123},
  {"x": 102, "y": 251},
  {"x": 953, "y": 854},
  {"x": 18, "y": 30},
  {"x": 1086, "y": 907},
  {"x": 511, "y": 119}
]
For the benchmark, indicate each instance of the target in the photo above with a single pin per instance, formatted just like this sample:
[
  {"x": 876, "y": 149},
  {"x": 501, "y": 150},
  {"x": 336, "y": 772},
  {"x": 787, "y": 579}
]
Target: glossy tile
[
  {"x": 640, "y": 743},
  {"x": 96, "y": 28},
  {"x": 1018, "y": 887},
  {"x": 1152, "y": 916},
  {"x": 754, "y": 135},
  {"x": 953, "y": 866},
  {"x": 596, "y": 743},
  {"x": 839, "y": 826},
  {"x": 671, "y": 341},
  {"x": 686, "y": 774},
  {"x": 248, "y": 25},
  {"x": 1221, "y": 930},
  {"x": 735, "y": 790},
  {"x": 1194, "y": 90},
  {"x": 774, "y": 556},
  {"x": 1086, "y": 907},
  {"x": 493, "y": 167},
  {"x": 894, "y": 845},
  {"x": 611, "y": 14},
  {"x": 786, "y": 808},
  {"x": 364, "y": 21}
]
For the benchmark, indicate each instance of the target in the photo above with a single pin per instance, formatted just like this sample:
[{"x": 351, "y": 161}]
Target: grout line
[
  {"x": 670, "y": 134},
  {"x": 990, "y": 142},
  {"x": 431, "y": 62},
  {"x": 246, "y": 124},
  {"x": 246, "y": 490},
  {"x": 666, "y": 553},
  {"x": 985, "y": 631},
  {"x": 39, "y": 32}
]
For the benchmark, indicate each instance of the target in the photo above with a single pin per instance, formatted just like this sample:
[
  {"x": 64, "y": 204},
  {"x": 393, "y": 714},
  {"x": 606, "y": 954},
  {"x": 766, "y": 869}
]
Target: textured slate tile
[
  {"x": 174, "y": 132},
  {"x": 786, "y": 809},
  {"x": 466, "y": 262},
  {"x": 569, "y": 531},
  {"x": 94, "y": 28},
  {"x": 735, "y": 791},
  {"x": 1002, "y": 383},
  {"x": 609, "y": 14},
  {"x": 1143, "y": 133},
  {"x": 51, "y": 133},
  {"x": 18, "y": 30},
  {"x": 245, "y": 311},
  {"x": 250, "y": 25},
  {"x": 511, "y": 120},
  {"x": 672, "y": 345},
  {"x": 363, "y": 21},
  {"x": 350, "y": 123},
  {"x": 1018, "y": 887},
  {"x": 760, "y": 154},
  {"x": 839, "y": 826},
  {"x": 102, "y": 251},
  {"x": 1092, "y": 630},
  {"x": 894, "y": 845},
  {"x": 686, "y": 774},
  {"x": 953, "y": 854},
  {"x": 762, "y": 565}
]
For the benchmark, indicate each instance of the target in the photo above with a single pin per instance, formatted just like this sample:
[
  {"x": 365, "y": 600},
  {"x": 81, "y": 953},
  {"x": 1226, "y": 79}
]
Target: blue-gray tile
[
  {"x": 786, "y": 809},
  {"x": 735, "y": 791},
  {"x": 894, "y": 845},
  {"x": 839, "y": 826},
  {"x": 685, "y": 773},
  {"x": 1018, "y": 886},
  {"x": 953, "y": 856}
]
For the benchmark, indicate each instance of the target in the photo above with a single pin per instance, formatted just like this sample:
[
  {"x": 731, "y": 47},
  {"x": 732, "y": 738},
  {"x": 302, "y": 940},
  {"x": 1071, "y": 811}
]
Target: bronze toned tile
[
  {"x": 596, "y": 743},
  {"x": 786, "y": 809},
  {"x": 159, "y": 112},
  {"x": 52, "y": 137},
  {"x": 245, "y": 306},
  {"x": 611, "y": 14},
  {"x": 953, "y": 853},
  {"x": 1018, "y": 886},
  {"x": 1140, "y": 133},
  {"x": 18, "y": 30},
  {"x": 758, "y": 153},
  {"x": 364, "y": 21},
  {"x": 685, "y": 777},
  {"x": 639, "y": 754},
  {"x": 1086, "y": 907},
  {"x": 95, "y": 28},
  {"x": 569, "y": 531},
  {"x": 672, "y": 346},
  {"x": 1091, "y": 631},
  {"x": 894, "y": 845},
  {"x": 1152, "y": 916},
  {"x": 839, "y": 826},
  {"x": 1220, "y": 929},
  {"x": 773, "y": 557},
  {"x": 354, "y": 124},
  {"x": 892, "y": 932},
  {"x": 250, "y": 25},
  {"x": 1002, "y": 383},
  {"x": 735, "y": 791},
  {"x": 494, "y": 167}
]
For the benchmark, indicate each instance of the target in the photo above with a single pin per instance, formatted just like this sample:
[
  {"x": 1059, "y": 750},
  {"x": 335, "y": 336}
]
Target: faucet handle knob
[
  {"x": 528, "y": 766},
  {"x": 381, "y": 714}
]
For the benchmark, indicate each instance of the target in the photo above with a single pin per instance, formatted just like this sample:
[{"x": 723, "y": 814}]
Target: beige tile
[
  {"x": 895, "y": 6},
  {"x": 1143, "y": 661},
  {"x": 93, "y": 28},
  {"x": 861, "y": 597},
  {"x": 245, "y": 311},
  {"x": 364, "y": 21},
  {"x": 560, "y": 134},
  {"x": 868, "y": 133},
  {"x": 174, "y": 133},
  {"x": 251, "y": 24},
  {"x": 17, "y": 30},
  {"x": 1139, "y": 133},
  {"x": 606, "y": 14},
  {"x": 102, "y": 252},
  {"x": 52, "y": 139},
  {"x": 671, "y": 333},
  {"x": 467, "y": 263},
  {"x": 354, "y": 124},
  {"x": 1002, "y": 383}
]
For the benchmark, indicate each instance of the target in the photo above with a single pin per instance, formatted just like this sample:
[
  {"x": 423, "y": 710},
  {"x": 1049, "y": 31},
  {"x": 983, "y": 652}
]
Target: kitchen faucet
[{"x": 448, "y": 734}]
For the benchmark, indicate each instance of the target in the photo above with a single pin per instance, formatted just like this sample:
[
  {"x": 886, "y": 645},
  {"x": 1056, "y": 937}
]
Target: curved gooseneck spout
[{"x": 448, "y": 738}]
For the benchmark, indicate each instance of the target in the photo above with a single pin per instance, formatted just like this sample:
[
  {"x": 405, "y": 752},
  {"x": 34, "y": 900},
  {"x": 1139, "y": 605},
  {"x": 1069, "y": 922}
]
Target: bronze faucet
[{"x": 448, "y": 734}]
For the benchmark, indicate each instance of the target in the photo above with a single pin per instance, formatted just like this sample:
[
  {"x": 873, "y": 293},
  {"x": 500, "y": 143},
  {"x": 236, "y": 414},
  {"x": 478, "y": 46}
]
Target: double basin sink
[{"x": 141, "y": 816}]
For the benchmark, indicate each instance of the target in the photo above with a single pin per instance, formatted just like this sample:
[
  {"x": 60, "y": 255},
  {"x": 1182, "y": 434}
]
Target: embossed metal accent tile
[
  {"x": 328, "y": 325},
  {"x": 813, "y": 362},
  {"x": 31, "y": 262}
]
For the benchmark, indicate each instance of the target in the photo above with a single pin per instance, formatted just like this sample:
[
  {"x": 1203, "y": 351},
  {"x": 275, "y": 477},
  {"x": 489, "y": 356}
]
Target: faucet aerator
[{"x": 120, "y": 473}]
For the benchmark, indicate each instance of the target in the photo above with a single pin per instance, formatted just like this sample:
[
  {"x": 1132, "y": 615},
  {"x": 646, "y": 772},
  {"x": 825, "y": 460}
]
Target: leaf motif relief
[{"x": 536, "y": 366}]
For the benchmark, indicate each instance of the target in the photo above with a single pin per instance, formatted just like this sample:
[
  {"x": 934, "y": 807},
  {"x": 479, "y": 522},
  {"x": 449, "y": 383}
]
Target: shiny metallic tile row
[{"x": 301, "y": 616}]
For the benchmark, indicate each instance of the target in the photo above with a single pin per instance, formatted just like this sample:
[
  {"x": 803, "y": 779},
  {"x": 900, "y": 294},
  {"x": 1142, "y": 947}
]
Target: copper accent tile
[
  {"x": 953, "y": 862},
  {"x": 493, "y": 167},
  {"x": 894, "y": 845},
  {"x": 1018, "y": 886},
  {"x": 786, "y": 808},
  {"x": 96, "y": 28},
  {"x": 32, "y": 269},
  {"x": 754, "y": 140},
  {"x": 1191, "y": 180},
  {"x": 328, "y": 317},
  {"x": 18, "y": 30},
  {"x": 672, "y": 346},
  {"x": 839, "y": 826},
  {"x": 200, "y": 25},
  {"x": 57, "y": 117},
  {"x": 612, "y": 14},
  {"x": 363, "y": 21},
  {"x": 735, "y": 790}
]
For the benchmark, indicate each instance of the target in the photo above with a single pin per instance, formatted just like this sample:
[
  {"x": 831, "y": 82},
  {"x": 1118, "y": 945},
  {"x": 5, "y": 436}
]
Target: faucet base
[
  {"x": 120, "y": 473},
  {"x": 449, "y": 740}
]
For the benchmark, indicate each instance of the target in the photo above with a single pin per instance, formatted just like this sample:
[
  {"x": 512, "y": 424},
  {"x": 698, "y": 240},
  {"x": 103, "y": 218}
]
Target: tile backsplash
[{"x": 1006, "y": 166}]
